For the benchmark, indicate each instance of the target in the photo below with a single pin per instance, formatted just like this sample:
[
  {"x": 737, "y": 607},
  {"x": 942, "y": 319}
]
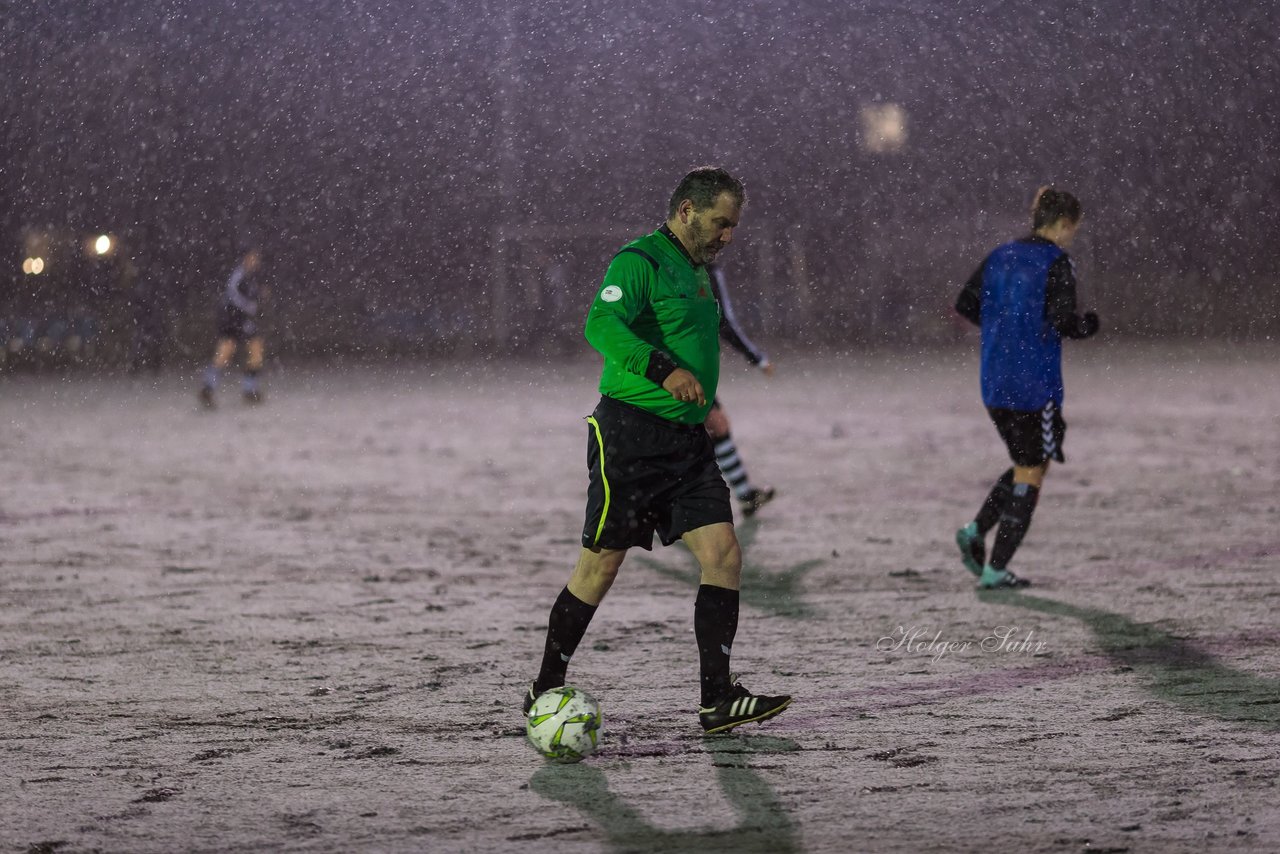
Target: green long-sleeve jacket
[{"x": 654, "y": 298}]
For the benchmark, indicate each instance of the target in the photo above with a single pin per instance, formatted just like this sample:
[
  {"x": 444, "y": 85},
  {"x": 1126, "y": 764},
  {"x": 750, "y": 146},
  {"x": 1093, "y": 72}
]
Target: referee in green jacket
[{"x": 656, "y": 321}]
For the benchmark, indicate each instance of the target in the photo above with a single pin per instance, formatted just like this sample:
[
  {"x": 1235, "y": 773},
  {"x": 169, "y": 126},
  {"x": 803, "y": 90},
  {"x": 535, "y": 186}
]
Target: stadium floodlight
[
  {"x": 33, "y": 266},
  {"x": 102, "y": 245},
  {"x": 884, "y": 128}
]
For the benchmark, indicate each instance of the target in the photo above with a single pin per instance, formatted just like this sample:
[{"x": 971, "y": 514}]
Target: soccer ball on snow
[{"x": 564, "y": 724}]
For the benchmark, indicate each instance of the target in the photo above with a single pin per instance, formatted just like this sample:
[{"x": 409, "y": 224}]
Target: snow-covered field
[{"x": 307, "y": 626}]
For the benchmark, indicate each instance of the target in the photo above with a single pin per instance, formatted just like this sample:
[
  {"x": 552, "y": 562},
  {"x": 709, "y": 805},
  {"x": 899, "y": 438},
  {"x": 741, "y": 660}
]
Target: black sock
[
  {"x": 1014, "y": 522},
  {"x": 989, "y": 514},
  {"x": 715, "y": 622},
  {"x": 570, "y": 617}
]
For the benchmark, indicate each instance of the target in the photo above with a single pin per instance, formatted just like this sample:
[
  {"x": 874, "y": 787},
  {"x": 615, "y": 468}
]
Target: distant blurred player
[
  {"x": 750, "y": 497},
  {"x": 238, "y": 324},
  {"x": 1024, "y": 298}
]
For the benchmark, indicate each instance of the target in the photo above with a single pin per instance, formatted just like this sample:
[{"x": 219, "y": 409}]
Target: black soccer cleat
[
  {"x": 755, "y": 499},
  {"x": 740, "y": 707},
  {"x": 252, "y": 397},
  {"x": 529, "y": 697}
]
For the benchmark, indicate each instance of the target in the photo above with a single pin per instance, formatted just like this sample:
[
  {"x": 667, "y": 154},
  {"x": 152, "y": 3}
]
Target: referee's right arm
[{"x": 627, "y": 289}]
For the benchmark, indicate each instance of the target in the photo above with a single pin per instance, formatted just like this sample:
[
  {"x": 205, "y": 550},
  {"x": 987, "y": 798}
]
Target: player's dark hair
[
  {"x": 703, "y": 186},
  {"x": 1052, "y": 205}
]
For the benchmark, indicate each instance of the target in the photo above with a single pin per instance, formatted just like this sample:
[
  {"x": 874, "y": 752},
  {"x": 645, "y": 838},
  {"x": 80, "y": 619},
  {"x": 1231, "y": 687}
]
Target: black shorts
[
  {"x": 1032, "y": 437},
  {"x": 236, "y": 325},
  {"x": 648, "y": 474}
]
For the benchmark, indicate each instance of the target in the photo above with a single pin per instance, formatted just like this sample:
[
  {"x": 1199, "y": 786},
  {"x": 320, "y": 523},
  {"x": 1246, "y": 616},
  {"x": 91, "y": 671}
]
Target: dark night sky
[{"x": 363, "y": 143}]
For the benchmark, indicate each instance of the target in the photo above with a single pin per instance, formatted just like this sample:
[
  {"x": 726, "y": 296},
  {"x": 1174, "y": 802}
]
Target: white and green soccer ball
[{"x": 564, "y": 724}]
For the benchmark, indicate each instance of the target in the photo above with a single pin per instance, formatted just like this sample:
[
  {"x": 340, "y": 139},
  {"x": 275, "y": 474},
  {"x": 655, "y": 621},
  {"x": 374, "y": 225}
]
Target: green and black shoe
[
  {"x": 973, "y": 549},
  {"x": 1000, "y": 579}
]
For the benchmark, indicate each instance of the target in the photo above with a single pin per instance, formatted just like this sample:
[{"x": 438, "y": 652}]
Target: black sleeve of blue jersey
[
  {"x": 969, "y": 303},
  {"x": 1060, "y": 303}
]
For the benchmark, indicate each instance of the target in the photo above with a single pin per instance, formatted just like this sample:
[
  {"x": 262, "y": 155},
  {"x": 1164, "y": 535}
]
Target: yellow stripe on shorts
[{"x": 604, "y": 514}]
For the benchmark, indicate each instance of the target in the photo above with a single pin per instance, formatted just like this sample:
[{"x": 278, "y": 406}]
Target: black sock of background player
[
  {"x": 1014, "y": 522},
  {"x": 570, "y": 617},
  {"x": 715, "y": 622},
  {"x": 989, "y": 514}
]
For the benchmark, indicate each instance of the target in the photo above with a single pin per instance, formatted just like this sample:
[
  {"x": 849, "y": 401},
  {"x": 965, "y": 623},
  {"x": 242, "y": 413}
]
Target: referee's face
[{"x": 711, "y": 229}]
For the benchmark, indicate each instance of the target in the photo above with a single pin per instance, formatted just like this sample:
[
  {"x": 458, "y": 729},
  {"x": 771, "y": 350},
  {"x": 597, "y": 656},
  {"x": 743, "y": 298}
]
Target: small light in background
[
  {"x": 102, "y": 245},
  {"x": 33, "y": 266},
  {"x": 884, "y": 127}
]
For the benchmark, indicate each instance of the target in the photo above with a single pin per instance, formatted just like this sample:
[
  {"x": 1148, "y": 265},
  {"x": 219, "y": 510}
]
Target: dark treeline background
[{"x": 432, "y": 174}]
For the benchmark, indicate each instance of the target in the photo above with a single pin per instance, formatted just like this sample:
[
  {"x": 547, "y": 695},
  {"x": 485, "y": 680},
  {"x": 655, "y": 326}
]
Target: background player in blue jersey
[
  {"x": 238, "y": 324},
  {"x": 1024, "y": 298},
  {"x": 750, "y": 497}
]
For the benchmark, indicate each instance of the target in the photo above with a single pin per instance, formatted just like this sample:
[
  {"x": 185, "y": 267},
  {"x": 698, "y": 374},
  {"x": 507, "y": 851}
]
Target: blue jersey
[{"x": 1021, "y": 348}]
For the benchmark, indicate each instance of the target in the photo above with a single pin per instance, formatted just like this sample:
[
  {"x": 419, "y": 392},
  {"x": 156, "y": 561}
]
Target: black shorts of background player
[
  {"x": 1024, "y": 298},
  {"x": 237, "y": 326},
  {"x": 750, "y": 497}
]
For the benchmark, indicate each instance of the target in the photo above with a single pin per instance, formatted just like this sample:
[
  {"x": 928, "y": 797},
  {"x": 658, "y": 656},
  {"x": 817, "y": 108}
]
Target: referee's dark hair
[
  {"x": 1052, "y": 205},
  {"x": 703, "y": 186}
]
